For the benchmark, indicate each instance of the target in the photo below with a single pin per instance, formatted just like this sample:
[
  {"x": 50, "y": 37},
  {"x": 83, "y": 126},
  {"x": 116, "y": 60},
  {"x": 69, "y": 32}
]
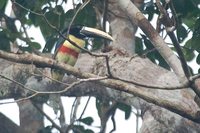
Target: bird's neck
[{"x": 77, "y": 41}]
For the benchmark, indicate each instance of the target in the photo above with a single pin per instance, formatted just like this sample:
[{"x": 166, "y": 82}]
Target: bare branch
[
  {"x": 54, "y": 92},
  {"x": 21, "y": 99},
  {"x": 167, "y": 22},
  {"x": 79, "y": 9},
  {"x": 52, "y": 121},
  {"x": 84, "y": 108},
  {"x": 47, "y": 62},
  {"x": 112, "y": 83},
  {"x": 135, "y": 15},
  {"x": 18, "y": 83}
]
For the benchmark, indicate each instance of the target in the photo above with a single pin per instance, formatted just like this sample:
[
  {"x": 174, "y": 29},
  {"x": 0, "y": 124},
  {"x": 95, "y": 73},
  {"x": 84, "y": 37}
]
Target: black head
[
  {"x": 83, "y": 32},
  {"x": 75, "y": 31}
]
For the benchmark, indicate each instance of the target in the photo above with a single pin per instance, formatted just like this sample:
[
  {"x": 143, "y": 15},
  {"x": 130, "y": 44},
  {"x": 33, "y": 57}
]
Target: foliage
[{"x": 188, "y": 21}]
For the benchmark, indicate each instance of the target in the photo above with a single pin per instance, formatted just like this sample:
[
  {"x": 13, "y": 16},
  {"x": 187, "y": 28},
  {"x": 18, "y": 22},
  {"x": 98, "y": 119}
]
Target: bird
[{"x": 65, "y": 50}]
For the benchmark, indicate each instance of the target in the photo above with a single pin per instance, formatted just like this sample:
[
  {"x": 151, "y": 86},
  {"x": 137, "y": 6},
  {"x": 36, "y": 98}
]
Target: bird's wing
[{"x": 60, "y": 41}]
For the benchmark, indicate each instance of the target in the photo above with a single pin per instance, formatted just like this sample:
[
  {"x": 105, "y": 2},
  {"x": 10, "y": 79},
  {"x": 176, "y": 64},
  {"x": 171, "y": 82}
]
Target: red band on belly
[{"x": 69, "y": 51}]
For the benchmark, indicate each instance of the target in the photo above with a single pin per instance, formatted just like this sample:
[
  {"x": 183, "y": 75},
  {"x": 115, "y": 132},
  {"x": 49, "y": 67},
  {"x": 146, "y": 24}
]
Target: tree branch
[
  {"x": 167, "y": 22},
  {"x": 49, "y": 118},
  {"x": 135, "y": 90},
  {"x": 136, "y": 16}
]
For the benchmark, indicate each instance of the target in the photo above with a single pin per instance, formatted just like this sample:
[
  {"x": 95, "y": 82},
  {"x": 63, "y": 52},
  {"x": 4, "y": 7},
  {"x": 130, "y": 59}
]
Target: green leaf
[
  {"x": 196, "y": 31},
  {"x": 188, "y": 50},
  {"x": 68, "y": 16},
  {"x": 139, "y": 49},
  {"x": 4, "y": 43},
  {"x": 49, "y": 44},
  {"x": 183, "y": 7},
  {"x": 149, "y": 46},
  {"x": 97, "y": 44},
  {"x": 154, "y": 55},
  {"x": 53, "y": 18},
  {"x": 181, "y": 33},
  {"x": 3, "y": 3},
  {"x": 195, "y": 43},
  {"x": 189, "y": 54},
  {"x": 162, "y": 61},
  {"x": 87, "y": 120},
  {"x": 86, "y": 16},
  {"x": 147, "y": 42},
  {"x": 126, "y": 108},
  {"x": 88, "y": 131},
  {"x": 150, "y": 9},
  {"x": 198, "y": 59},
  {"x": 35, "y": 45},
  {"x": 29, "y": 49},
  {"x": 47, "y": 129},
  {"x": 81, "y": 129},
  {"x": 189, "y": 21}
]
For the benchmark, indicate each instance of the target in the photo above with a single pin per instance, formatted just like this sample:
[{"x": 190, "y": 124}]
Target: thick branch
[
  {"x": 135, "y": 90},
  {"x": 9, "y": 126},
  {"x": 136, "y": 16}
]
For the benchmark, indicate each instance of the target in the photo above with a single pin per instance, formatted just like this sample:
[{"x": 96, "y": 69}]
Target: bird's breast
[{"x": 69, "y": 51}]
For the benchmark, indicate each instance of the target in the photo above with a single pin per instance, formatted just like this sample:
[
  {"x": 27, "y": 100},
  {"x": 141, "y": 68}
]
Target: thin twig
[
  {"x": 43, "y": 75},
  {"x": 79, "y": 9},
  {"x": 167, "y": 22},
  {"x": 62, "y": 115},
  {"x": 53, "y": 92},
  {"x": 21, "y": 99},
  {"x": 18, "y": 83},
  {"x": 85, "y": 107},
  {"x": 114, "y": 123},
  {"x": 72, "y": 114},
  {"x": 182, "y": 86},
  {"x": 192, "y": 78},
  {"x": 137, "y": 121},
  {"x": 44, "y": 114},
  {"x": 105, "y": 13},
  {"x": 143, "y": 54}
]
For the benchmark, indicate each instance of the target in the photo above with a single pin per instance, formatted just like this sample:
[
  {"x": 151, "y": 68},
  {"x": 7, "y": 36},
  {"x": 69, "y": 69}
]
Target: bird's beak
[{"x": 92, "y": 32}]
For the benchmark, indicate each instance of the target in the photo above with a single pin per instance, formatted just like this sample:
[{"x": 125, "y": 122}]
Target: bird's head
[
  {"x": 84, "y": 32},
  {"x": 80, "y": 33}
]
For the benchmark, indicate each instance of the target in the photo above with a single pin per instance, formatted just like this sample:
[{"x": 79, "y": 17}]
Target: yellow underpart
[
  {"x": 79, "y": 42},
  {"x": 66, "y": 58}
]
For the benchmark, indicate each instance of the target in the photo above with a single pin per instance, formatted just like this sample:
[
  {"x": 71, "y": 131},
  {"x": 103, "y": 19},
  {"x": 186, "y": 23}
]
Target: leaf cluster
[{"x": 187, "y": 22}]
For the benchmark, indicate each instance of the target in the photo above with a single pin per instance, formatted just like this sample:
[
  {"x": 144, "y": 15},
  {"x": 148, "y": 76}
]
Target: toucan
[{"x": 67, "y": 53}]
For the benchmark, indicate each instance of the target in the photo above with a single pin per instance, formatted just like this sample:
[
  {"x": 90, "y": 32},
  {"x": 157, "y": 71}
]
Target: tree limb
[
  {"x": 119, "y": 85},
  {"x": 167, "y": 22},
  {"x": 136, "y": 16}
]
